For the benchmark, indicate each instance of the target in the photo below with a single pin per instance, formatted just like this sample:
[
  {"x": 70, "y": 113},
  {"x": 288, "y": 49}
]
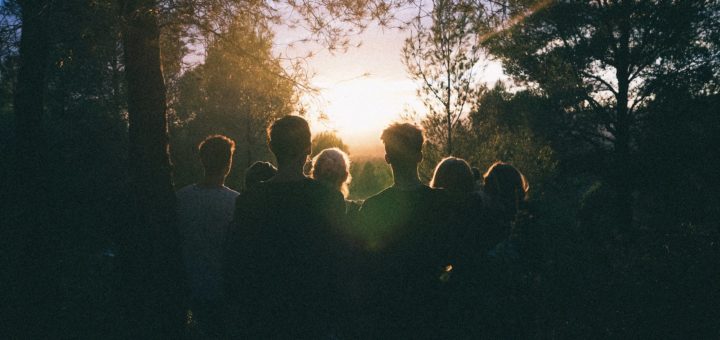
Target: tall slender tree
[
  {"x": 151, "y": 244},
  {"x": 602, "y": 62},
  {"x": 27, "y": 234},
  {"x": 444, "y": 59}
]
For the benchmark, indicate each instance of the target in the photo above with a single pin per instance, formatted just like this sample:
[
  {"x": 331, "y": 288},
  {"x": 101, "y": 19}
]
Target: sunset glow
[{"x": 366, "y": 88}]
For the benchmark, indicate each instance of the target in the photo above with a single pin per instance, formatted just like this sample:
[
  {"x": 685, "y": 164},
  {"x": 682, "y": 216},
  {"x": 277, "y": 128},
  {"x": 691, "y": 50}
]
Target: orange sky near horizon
[{"x": 364, "y": 89}]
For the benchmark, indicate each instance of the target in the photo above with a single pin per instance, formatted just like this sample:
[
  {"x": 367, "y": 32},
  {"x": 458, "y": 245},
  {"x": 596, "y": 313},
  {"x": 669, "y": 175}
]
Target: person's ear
[
  {"x": 308, "y": 149},
  {"x": 387, "y": 159}
]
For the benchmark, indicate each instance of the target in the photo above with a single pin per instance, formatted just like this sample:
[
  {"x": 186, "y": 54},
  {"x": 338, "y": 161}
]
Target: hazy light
[
  {"x": 359, "y": 109},
  {"x": 364, "y": 89}
]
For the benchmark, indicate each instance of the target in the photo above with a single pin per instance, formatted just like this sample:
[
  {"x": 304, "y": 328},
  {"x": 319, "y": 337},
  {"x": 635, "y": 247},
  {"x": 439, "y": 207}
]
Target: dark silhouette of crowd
[{"x": 291, "y": 257}]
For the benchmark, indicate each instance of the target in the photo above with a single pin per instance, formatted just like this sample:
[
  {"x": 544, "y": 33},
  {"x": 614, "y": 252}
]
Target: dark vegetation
[{"x": 613, "y": 113}]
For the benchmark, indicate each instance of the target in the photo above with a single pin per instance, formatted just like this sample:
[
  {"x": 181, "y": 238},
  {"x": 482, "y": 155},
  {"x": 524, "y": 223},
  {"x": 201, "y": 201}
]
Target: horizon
[{"x": 364, "y": 89}]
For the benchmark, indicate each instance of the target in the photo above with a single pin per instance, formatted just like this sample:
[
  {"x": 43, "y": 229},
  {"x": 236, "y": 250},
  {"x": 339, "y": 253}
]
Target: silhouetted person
[
  {"x": 332, "y": 168},
  {"x": 466, "y": 223},
  {"x": 283, "y": 252},
  {"x": 406, "y": 239},
  {"x": 259, "y": 172},
  {"x": 464, "y": 204},
  {"x": 205, "y": 210},
  {"x": 453, "y": 174},
  {"x": 506, "y": 190},
  {"x": 502, "y": 287}
]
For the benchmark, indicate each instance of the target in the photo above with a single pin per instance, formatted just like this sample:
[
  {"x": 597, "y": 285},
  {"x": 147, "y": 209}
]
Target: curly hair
[{"x": 332, "y": 167}]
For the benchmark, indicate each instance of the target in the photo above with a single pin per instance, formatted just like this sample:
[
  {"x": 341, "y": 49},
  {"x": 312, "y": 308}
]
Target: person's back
[
  {"x": 282, "y": 258},
  {"x": 407, "y": 244},
  {"x": 283, "y": 253},
  {"x": 205, "y": 210},
  {"x": 204, "y": 214},
  {"x": 500, "y": 288}
]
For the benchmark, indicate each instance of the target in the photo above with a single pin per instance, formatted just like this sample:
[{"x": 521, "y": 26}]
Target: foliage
[
  {"x": 560, "y": 127},
  {"x": 603, "y": 62},
  {"x": 370, "y": 176},
  {"x": 444, "y": 60},
  {"x": 678, "y": 184},
  {"x": 502, "y": 124},
  {"x": 325, "y": 140},
  {"x": 231, "y": 93},
  {"x": 501, "y": 127}
]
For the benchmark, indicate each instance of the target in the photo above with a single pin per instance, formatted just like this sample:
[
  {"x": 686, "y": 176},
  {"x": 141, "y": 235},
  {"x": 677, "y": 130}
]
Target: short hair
[
  {"x": 289, "y": 136},
  {"x": 453, "y": 174},
  {"x": 259, "y": 172},
  {"x": 506, "y": 183},
  {"x": 332, "y": 166},
  {"x": 403, "y": 141},
  {"x": 216, "y": 153}
]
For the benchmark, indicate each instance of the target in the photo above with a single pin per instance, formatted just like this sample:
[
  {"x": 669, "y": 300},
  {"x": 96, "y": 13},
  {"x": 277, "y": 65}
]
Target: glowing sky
[{"x": 365, "y": 88}]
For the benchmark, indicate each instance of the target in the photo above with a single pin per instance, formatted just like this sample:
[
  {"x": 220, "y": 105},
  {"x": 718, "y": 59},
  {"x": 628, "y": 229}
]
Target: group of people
[{"x": 291, "y": 257}]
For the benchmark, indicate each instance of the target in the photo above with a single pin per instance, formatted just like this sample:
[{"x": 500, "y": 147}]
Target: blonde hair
[{"x": 332, "y": 167}]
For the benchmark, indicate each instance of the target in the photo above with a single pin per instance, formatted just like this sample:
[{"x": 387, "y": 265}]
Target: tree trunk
[
  {"x": 622, "y": 175},
  {"x": 151, "y": 256},
  {"x": 32, "y": 291}
]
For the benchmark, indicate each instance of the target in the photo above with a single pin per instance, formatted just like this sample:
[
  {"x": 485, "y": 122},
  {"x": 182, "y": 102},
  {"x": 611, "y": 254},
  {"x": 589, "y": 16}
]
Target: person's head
[
  {"x": 506, "y": 185},
  {"x": 332, "y": 167},
  {"x": 259, "y": 172},
  {"x": 289, "y": 139},
  {"x": 403, "y": 144},
  {"x": 216, "y": 153},
  {"x": 453, "y": 174}
]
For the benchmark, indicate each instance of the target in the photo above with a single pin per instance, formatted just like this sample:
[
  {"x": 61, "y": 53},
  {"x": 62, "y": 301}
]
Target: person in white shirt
[{"x": 205, "y": 210}]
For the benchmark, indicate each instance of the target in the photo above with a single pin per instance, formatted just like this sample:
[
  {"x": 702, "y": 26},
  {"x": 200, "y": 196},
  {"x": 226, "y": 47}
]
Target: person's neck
[
  {"x": 406, "y": 178},
  {"x": 213, "y": 181},
  {"x": 289, "y": 172}
]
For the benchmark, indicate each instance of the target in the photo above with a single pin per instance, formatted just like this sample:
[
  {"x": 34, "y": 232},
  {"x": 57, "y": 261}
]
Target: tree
[
  {"x": 444, "y": 58},
  {"x": 369, "y": 177},
  {"x": 502, "y": 128},
  {"x": 153, "y": 278},
  {"x": 26, "y": 227},
  {"x": 232, "y": 93},
  {"x": 602, "y": 63},
  {"x": 325, "y": 140}
]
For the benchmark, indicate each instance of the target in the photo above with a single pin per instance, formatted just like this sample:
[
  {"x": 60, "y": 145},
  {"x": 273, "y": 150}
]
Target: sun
[{"x": 359, "y": 109}]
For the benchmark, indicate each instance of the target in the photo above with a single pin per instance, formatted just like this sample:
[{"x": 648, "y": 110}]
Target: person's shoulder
[
  {"x": 186, "y": 192},
  {"x": 185, "y": 189},
  {"x": 431, "y": 195},
  {"x": 379, "y": 197},
  {"x": 353, "y": 205},
  {"x": 252, "y": 194},
  {"x": 229, "y": 193}
]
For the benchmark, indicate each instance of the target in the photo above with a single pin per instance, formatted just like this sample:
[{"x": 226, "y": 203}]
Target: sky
[{"x": 364, "y": 89}]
